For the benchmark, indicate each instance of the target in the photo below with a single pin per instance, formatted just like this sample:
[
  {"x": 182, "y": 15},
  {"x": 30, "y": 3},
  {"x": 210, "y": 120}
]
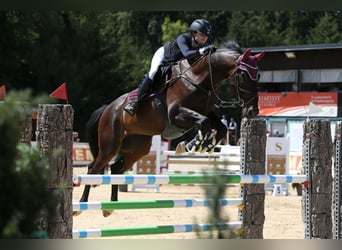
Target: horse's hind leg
[{"x": 133, "y": 148}]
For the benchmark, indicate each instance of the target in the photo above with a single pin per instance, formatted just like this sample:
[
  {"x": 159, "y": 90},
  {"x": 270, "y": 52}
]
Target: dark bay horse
[{"x": 189, "y": 100}]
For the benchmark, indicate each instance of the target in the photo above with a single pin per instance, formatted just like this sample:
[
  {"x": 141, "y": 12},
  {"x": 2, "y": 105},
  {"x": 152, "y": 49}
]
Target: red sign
[
  {"x": 81, "y": 154},
  {"x": 295, "y": 163},
  {"x": 298, "y": 104}
]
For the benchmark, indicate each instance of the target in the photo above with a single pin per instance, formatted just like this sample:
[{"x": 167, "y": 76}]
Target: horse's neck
[
  {"x": 193, "y": 72},
  {"x": 209, "y": 69},
  {"x": 223, "y": 63}
]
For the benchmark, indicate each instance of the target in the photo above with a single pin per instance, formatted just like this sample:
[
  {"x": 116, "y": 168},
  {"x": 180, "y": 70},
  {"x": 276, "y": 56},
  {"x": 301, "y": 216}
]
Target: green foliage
[
  {"x": 216, "y": 214},
  {"x": 172, "y": 29},
  {"x": 326, "y": 30},
  {"x": 23, "y": 176}
]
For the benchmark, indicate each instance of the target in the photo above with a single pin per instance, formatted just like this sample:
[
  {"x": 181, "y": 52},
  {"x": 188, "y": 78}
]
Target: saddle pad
[{"x": 133, "y": 95}]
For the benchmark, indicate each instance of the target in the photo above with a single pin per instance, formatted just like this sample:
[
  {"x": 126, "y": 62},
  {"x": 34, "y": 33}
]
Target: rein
[
  {"x": 222, "y": 103},
  {"x": 241, "y": 102}
]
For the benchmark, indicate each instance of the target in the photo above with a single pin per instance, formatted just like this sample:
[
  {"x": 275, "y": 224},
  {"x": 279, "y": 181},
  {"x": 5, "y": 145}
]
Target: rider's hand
[{"x": 206, "y": 49}]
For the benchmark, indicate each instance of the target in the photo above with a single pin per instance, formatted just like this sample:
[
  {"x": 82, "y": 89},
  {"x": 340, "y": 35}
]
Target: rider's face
[{"x": 200, "y": 38}]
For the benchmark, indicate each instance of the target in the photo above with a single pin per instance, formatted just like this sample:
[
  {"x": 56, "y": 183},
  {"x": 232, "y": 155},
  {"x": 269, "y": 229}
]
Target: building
[
  {"x": 297, "y": 83},
  {"x": 301, "y": 68}
]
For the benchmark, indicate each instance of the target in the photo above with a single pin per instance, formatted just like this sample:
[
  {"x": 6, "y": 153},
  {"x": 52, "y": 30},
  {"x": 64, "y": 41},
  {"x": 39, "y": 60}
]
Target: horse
[{"x": 187, "y": 100}]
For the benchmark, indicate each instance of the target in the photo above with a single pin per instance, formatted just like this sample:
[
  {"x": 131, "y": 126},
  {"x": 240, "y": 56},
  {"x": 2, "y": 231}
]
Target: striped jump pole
[
  {"x": 185, "y": 171},
  {"x": 185, "y": 179},
  {"x": 147, "y": 204},
  {"x": 213, "y": 154},
  {"x": 167, "y": 229}
]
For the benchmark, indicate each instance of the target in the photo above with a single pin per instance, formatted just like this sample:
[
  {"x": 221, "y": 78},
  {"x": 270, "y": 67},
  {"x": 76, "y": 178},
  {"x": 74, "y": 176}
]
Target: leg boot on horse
[{"x": 131, "y": 108}]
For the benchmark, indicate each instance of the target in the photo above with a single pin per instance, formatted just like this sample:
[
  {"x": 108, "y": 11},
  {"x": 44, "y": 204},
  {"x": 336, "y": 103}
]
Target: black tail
[{"x": 92, "y": 133}]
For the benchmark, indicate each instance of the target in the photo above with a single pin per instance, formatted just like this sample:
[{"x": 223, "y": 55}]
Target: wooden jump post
[
  {"x": 54, "y": 132},
  {"x": 252, "y": 151},
  {"x": 317, "y": 165},
  {"x": 337, "y": 189}
]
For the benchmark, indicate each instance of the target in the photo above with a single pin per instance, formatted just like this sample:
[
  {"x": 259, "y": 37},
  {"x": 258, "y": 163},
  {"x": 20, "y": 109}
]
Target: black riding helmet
[{"x": 202, "y": 26}]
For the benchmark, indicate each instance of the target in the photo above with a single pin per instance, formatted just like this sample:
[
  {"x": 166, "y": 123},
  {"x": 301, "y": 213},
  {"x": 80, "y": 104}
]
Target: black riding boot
[{"x": 131, "y": 108}]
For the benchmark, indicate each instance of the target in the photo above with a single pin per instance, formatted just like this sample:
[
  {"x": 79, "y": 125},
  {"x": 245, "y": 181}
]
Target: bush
[{"x": 24, "y": 176}]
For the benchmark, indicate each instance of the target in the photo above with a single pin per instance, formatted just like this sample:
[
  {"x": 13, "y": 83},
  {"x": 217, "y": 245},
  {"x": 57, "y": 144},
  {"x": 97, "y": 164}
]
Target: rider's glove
[{"x": 206, "y": 49}]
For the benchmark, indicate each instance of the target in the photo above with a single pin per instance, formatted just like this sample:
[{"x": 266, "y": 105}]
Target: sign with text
[
  {"x": 276, "y": 155},
  {"x": 298, "y": 104},
  {"x": 295, "y": 162},
  {"x": 81, "y": 154}
]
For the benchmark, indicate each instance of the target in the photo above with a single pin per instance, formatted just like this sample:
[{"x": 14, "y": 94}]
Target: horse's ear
[
  {"x": 259, "y": 56},
  {"x": 246, "y": 55}
]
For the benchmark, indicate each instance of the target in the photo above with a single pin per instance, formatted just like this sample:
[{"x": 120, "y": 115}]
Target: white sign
[{"x": 277, "y": 146}]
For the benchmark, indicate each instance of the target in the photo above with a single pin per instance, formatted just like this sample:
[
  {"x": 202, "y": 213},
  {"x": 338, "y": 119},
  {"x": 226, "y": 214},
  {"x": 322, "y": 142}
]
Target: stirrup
[{"x": 131, "y": 108}]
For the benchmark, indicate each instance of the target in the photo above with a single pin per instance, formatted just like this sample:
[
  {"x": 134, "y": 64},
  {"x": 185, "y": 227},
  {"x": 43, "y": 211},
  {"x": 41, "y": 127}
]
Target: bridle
[
  {"x": 236, "y": 73},
  {"x": 239, "y": 89}
]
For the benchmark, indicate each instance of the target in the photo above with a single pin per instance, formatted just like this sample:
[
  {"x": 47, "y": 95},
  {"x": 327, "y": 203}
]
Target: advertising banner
[
  {"x": 313, "y": 104},
  {"x": 81, "y": 154}
]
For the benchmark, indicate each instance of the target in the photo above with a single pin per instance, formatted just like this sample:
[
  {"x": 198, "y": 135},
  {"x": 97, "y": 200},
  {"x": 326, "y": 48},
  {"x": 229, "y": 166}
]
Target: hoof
[
  {"x": 193, "y": 150},
  {"x": 180, "y": 148},
  {"x": 106, "y": 213},
  {"x": 76, "y": 213}
]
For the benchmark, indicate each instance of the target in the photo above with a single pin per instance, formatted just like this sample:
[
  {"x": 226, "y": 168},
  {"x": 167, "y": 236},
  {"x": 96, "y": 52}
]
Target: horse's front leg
[
  {"x": 115, "y": 168},
  {"x": 187, "y": 118},
  {"x": 220, "y": 132},
  {"x": 86, "y": 190}
]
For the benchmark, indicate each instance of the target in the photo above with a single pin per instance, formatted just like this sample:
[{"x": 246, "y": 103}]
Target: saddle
[
  {"x": 159, "y": 84},
  {"x": 162, "y": 79}
]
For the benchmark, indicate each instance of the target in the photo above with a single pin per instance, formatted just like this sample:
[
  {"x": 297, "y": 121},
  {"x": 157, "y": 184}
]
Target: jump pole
[
  {"x": 185, "y": 179},
  {"x": 165, "y": 229},
  {"x": 148, "y": 204}
]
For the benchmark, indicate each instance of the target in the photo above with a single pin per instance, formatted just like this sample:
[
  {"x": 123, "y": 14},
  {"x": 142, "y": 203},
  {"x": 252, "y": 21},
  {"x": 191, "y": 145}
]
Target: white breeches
[{"x": 157, "y": 59}]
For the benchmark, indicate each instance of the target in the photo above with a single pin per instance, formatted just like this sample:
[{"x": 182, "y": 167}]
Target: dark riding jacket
[{"x": 180, "y": 48}]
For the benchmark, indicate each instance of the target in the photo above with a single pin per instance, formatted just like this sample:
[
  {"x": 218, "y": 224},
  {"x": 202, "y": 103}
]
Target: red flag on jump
[
  {"x": 2, "y": 93},
  {"x": 60, "y": 93}
]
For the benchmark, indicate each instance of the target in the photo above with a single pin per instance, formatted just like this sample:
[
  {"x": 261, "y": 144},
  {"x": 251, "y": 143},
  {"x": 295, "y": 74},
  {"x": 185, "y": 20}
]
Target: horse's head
[{"x": 244, "y": 80}]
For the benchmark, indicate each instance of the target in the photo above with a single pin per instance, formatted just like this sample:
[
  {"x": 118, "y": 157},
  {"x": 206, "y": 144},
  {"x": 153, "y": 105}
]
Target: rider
[{"x": 187, "y": 45}]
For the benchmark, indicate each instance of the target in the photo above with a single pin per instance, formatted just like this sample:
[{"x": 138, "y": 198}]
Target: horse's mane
[{"x": 231, "y": 44}]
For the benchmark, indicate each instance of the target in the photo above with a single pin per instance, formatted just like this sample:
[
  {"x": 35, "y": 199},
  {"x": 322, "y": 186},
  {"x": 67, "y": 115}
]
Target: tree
[
  {"x": 325, "y": 31},
  {"x": 171, "y": 30}
]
